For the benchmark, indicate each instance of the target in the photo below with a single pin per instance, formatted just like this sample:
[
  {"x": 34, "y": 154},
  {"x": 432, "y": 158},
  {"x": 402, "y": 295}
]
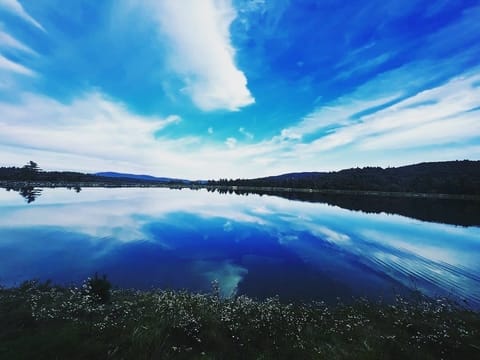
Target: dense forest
[
  {"x": 32, "y": 172},
  {"x": 449, "y": 177}
]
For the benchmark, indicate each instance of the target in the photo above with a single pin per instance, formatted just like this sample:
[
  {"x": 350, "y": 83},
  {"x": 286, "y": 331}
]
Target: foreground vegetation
[{"x": 91, "y": 322}]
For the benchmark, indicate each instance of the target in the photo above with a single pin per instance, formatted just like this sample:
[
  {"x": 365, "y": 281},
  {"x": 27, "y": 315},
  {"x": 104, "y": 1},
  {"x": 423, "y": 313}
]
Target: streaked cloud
[
  {"x": 7, "y": 41},
  {"x": 15, "y": 7},
  {"x": 441, "y": 116},
  {"x": 11, "y": 66},
  {"x": 248, "y": 135}
]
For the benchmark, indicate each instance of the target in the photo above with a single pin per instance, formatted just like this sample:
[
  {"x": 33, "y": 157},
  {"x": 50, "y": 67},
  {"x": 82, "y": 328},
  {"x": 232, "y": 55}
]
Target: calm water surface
[{"x": 255, "y": 245}]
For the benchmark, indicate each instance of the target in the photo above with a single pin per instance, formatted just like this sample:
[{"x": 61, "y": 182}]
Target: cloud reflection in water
[{"x": 257, "y": 245}]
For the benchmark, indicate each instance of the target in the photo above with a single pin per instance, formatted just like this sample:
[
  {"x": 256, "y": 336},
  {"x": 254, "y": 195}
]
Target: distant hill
[
  {"x": 296, "y": 176},
  {"x": 140, "y": 177},
  {"x": 448, "y": 177}
]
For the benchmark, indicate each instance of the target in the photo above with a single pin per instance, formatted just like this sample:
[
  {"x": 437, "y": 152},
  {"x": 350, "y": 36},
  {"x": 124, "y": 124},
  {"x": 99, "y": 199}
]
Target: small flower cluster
[{"x": 78, "y": 304}]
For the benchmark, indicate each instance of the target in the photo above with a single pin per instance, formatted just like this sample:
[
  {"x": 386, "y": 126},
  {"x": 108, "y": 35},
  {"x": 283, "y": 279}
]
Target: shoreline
[{"x": 254, "y": 189}]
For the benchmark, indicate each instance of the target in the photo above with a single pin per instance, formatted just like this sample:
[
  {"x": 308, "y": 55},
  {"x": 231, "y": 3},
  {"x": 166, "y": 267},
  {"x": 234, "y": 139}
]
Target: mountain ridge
[{"x": 117, "y": 175}]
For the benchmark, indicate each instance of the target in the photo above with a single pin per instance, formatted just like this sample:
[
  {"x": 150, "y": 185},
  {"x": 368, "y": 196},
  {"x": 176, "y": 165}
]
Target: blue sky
[{"x": 219, "y": 88}]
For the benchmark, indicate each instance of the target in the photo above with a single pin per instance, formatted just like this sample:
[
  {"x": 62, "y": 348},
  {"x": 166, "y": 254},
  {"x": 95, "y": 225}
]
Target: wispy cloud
[
  {"x": 374, "y": 94},
  {"x": 202, "y": 52},
  {"x": 11, "y": 66},
  {"x": 7, "y": 41},
  {"x": 436, "y": 116},
  {"x": 16, "y": 8},
  {"x": 335, "y": 114},
  {"x": 364, "y": 66},
  {"x": 248, "y": 135}
]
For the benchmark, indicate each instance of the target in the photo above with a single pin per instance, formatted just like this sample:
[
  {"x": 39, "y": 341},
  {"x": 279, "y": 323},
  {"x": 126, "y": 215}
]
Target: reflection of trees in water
[
  {"x": 29, "y": 193},
  {"x": 448, "y": 211},
  {"x": 76, "y": 188}
]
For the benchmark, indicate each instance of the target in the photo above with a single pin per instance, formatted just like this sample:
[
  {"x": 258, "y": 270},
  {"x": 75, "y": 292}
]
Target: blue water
[{"x": 255, "y": 245}]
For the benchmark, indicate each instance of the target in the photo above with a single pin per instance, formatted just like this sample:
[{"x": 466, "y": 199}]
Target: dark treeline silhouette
[
  {"x": 449, "y": 177},
  {"x": 32, "y": 173},
  {"x": 448, "y": 211}
]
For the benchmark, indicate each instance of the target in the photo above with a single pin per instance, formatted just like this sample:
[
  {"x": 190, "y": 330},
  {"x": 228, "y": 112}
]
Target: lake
[{"x": 256, "y": 245}]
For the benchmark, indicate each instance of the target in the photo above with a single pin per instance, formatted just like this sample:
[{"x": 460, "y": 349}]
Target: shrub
[{"x": 100, "y": 288}]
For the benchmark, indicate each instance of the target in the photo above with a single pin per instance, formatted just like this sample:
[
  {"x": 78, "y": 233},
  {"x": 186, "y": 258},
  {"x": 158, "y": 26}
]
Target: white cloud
[
  {"x": 8, "y": 65},
  {"x": 432, "y": 117},
  {"x": 16, "y": 8},
  {"x": 329, "y": 234},
  {"x": 369, "y": 125},
  {"x": 8, "y": 41},
  {"x": 451, "y": 130},
  {"x": 381, "y": 91},
  {"x": 90, "y": 127},
  {"x": 94, "y": 133},
  {"x": 231, "y": 142},
  {"x": 202, "y": 53},
  {"x": 362, "y": 67},
  {"x": 247, "y": 134},
  {"x": 336, "y": 114}
]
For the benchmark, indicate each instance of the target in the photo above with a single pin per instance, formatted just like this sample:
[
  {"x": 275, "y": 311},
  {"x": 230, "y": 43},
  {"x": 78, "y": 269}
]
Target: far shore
[{"x": 253, "y": 189}]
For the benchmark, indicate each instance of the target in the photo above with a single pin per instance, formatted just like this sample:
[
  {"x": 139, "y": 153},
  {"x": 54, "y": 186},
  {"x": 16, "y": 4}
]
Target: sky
[{"x": 207, "y": 89}]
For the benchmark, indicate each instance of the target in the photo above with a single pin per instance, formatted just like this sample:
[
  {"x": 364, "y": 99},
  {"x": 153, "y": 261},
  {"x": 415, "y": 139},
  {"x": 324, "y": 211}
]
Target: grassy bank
[{"x": 91, "y": 322}]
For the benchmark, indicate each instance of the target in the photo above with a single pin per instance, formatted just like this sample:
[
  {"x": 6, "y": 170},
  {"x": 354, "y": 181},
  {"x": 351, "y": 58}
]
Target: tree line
[
  {"x": 31, "y": 172},
  {"x": 448, "y": 177}
]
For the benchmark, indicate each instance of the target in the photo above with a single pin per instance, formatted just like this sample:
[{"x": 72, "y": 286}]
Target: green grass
[{"x": 39, "y": 321}]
